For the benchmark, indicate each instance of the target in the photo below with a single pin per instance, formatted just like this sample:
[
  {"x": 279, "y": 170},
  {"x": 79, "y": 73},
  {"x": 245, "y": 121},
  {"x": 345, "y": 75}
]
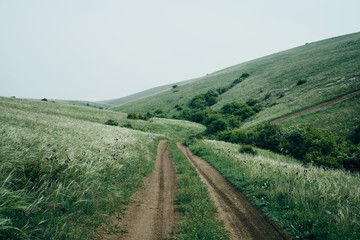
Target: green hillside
[
  {"x": 283, "y": 83},
  {"x": 146, "y": 93}
]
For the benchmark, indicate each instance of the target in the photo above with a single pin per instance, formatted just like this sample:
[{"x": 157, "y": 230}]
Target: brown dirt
[
  {"x": 322, "y": 105},
  {"x": 154, "y": 214},
  {"x": 240, "y": 217}
]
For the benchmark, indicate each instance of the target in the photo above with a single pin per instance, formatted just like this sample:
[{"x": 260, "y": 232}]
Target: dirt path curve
[
  {"x": 240, "y": 217},
  {"x": 153, "y": 216},
  {"x": 322, "y": 105}
]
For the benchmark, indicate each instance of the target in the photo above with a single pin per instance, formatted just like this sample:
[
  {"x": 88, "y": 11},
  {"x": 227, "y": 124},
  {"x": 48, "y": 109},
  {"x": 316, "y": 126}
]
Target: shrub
[
  {"x": 44, "y": 100},
  {"x": 111, "y": 122},
  {"x": 133, "y": 116},
  {"x": 174, "y": 86},
  {"x": 252, "y": 102},
  {"x": 212, "y": 101},
  {"x": 198, "y": 102},
  {"x": 356, "y": 135},
  {"x": 222, "y": 90},
  {"x": 217, "y": 126},
  {"x": 158, "y": 112},
  {"x": 238, "y": 109},
  {"x": 300, "y": 82},
  {"x": 245, "y": 75},
  {"x": 247, "y": 149},
  {"x": 127, "y": 125},
  {"x": 267, "y": 96},
  {"x": 266, "y": 136}
]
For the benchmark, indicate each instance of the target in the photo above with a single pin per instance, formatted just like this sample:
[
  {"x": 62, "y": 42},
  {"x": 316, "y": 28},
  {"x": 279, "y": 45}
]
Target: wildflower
[
  {"x": 33, "y": 213},
  {"x": 285, "y": 166}
]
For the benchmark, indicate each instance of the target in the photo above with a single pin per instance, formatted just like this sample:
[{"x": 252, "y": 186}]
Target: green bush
[
  {"x": 252, "y": 102},
  {"x": 127, "y": 125},
  {"x": 111, "y": 122},
  {"x": 300, "y": 82},
  {"x": 247, "y": 149},
  {"x": 238, "y": 109},
  {"x": 217, "y": 126}
]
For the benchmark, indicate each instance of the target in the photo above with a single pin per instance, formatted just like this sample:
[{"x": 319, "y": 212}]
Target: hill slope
[
  {"x": 139, "y": 95},
  {"x": 328, "y": 69}
]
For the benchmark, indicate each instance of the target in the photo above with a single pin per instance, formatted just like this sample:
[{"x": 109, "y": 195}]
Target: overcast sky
[{"x": 104, "y": 49}]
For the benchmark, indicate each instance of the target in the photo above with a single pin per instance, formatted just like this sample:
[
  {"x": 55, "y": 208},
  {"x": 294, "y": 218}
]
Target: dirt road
[
  {"x": 240, "y": 217},
  {"x": 322, "y": 105},
  {"x": 153, "y": 216}
]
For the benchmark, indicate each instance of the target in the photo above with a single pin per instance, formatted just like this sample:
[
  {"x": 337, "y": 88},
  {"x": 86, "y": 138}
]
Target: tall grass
[
  {"x": 199, "y": 221},
  {"x": 62, "y": 176},
  {"x": 310, "y": 202}
]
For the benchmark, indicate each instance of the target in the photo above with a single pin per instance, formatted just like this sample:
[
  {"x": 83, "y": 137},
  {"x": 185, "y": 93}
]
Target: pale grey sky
[{"x": 104, "y": 49}]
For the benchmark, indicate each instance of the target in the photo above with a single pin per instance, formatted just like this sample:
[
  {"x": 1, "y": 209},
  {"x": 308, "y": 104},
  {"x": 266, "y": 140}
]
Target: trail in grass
[
  {"x": 240, "y": 217},
  {"x": 319, "y": 106},
  {"x": 153, "y": 214}
]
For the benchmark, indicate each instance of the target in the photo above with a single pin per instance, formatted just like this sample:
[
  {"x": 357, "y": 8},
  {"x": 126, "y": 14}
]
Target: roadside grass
[
  {"x": 341, "y": 118},
  {"x": 199, "y": 221},
  {"x": 61, "y": 177},
  {"x": 309, "y": 202}
]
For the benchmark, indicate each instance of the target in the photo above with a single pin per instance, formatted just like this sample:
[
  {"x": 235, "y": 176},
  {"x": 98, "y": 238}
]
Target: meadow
[
  {"x": 63, "y": 172},
  {"x": 306, "y": 201}
]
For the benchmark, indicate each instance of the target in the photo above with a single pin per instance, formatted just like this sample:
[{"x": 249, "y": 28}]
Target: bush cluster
[
  {"x": 309, "y": 144},
  {"x": 111, "y": 122},
  {"x": 203, "y": 101},
  {"x": 136, "y": 116},
  {"x": 229, "y": 117}
]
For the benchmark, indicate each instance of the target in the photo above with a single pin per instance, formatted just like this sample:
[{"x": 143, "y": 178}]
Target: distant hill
[
  {"x": 139, "y": 95},
  {"x": 84, "y": 103},
  {"x": 283, "y": 83}
]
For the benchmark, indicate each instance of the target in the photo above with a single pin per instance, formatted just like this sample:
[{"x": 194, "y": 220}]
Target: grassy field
[
  {"x": 309, "y": 202},
  {"x": 63, "y": 172},
  {"x": 329, "y": 67},
  {"x": 341, "y": 118}
]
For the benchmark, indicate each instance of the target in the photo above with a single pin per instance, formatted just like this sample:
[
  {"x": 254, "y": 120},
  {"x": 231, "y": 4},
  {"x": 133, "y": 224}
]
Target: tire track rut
[
  {"x": 240, "y": 217},
  {"x": 154, "y": 214}
]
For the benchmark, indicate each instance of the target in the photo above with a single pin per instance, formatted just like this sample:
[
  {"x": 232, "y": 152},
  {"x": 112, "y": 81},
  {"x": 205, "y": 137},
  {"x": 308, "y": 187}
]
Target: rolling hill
[
  {"x": 139, "y": 95},
  {"x": 283, "y": 83}
]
